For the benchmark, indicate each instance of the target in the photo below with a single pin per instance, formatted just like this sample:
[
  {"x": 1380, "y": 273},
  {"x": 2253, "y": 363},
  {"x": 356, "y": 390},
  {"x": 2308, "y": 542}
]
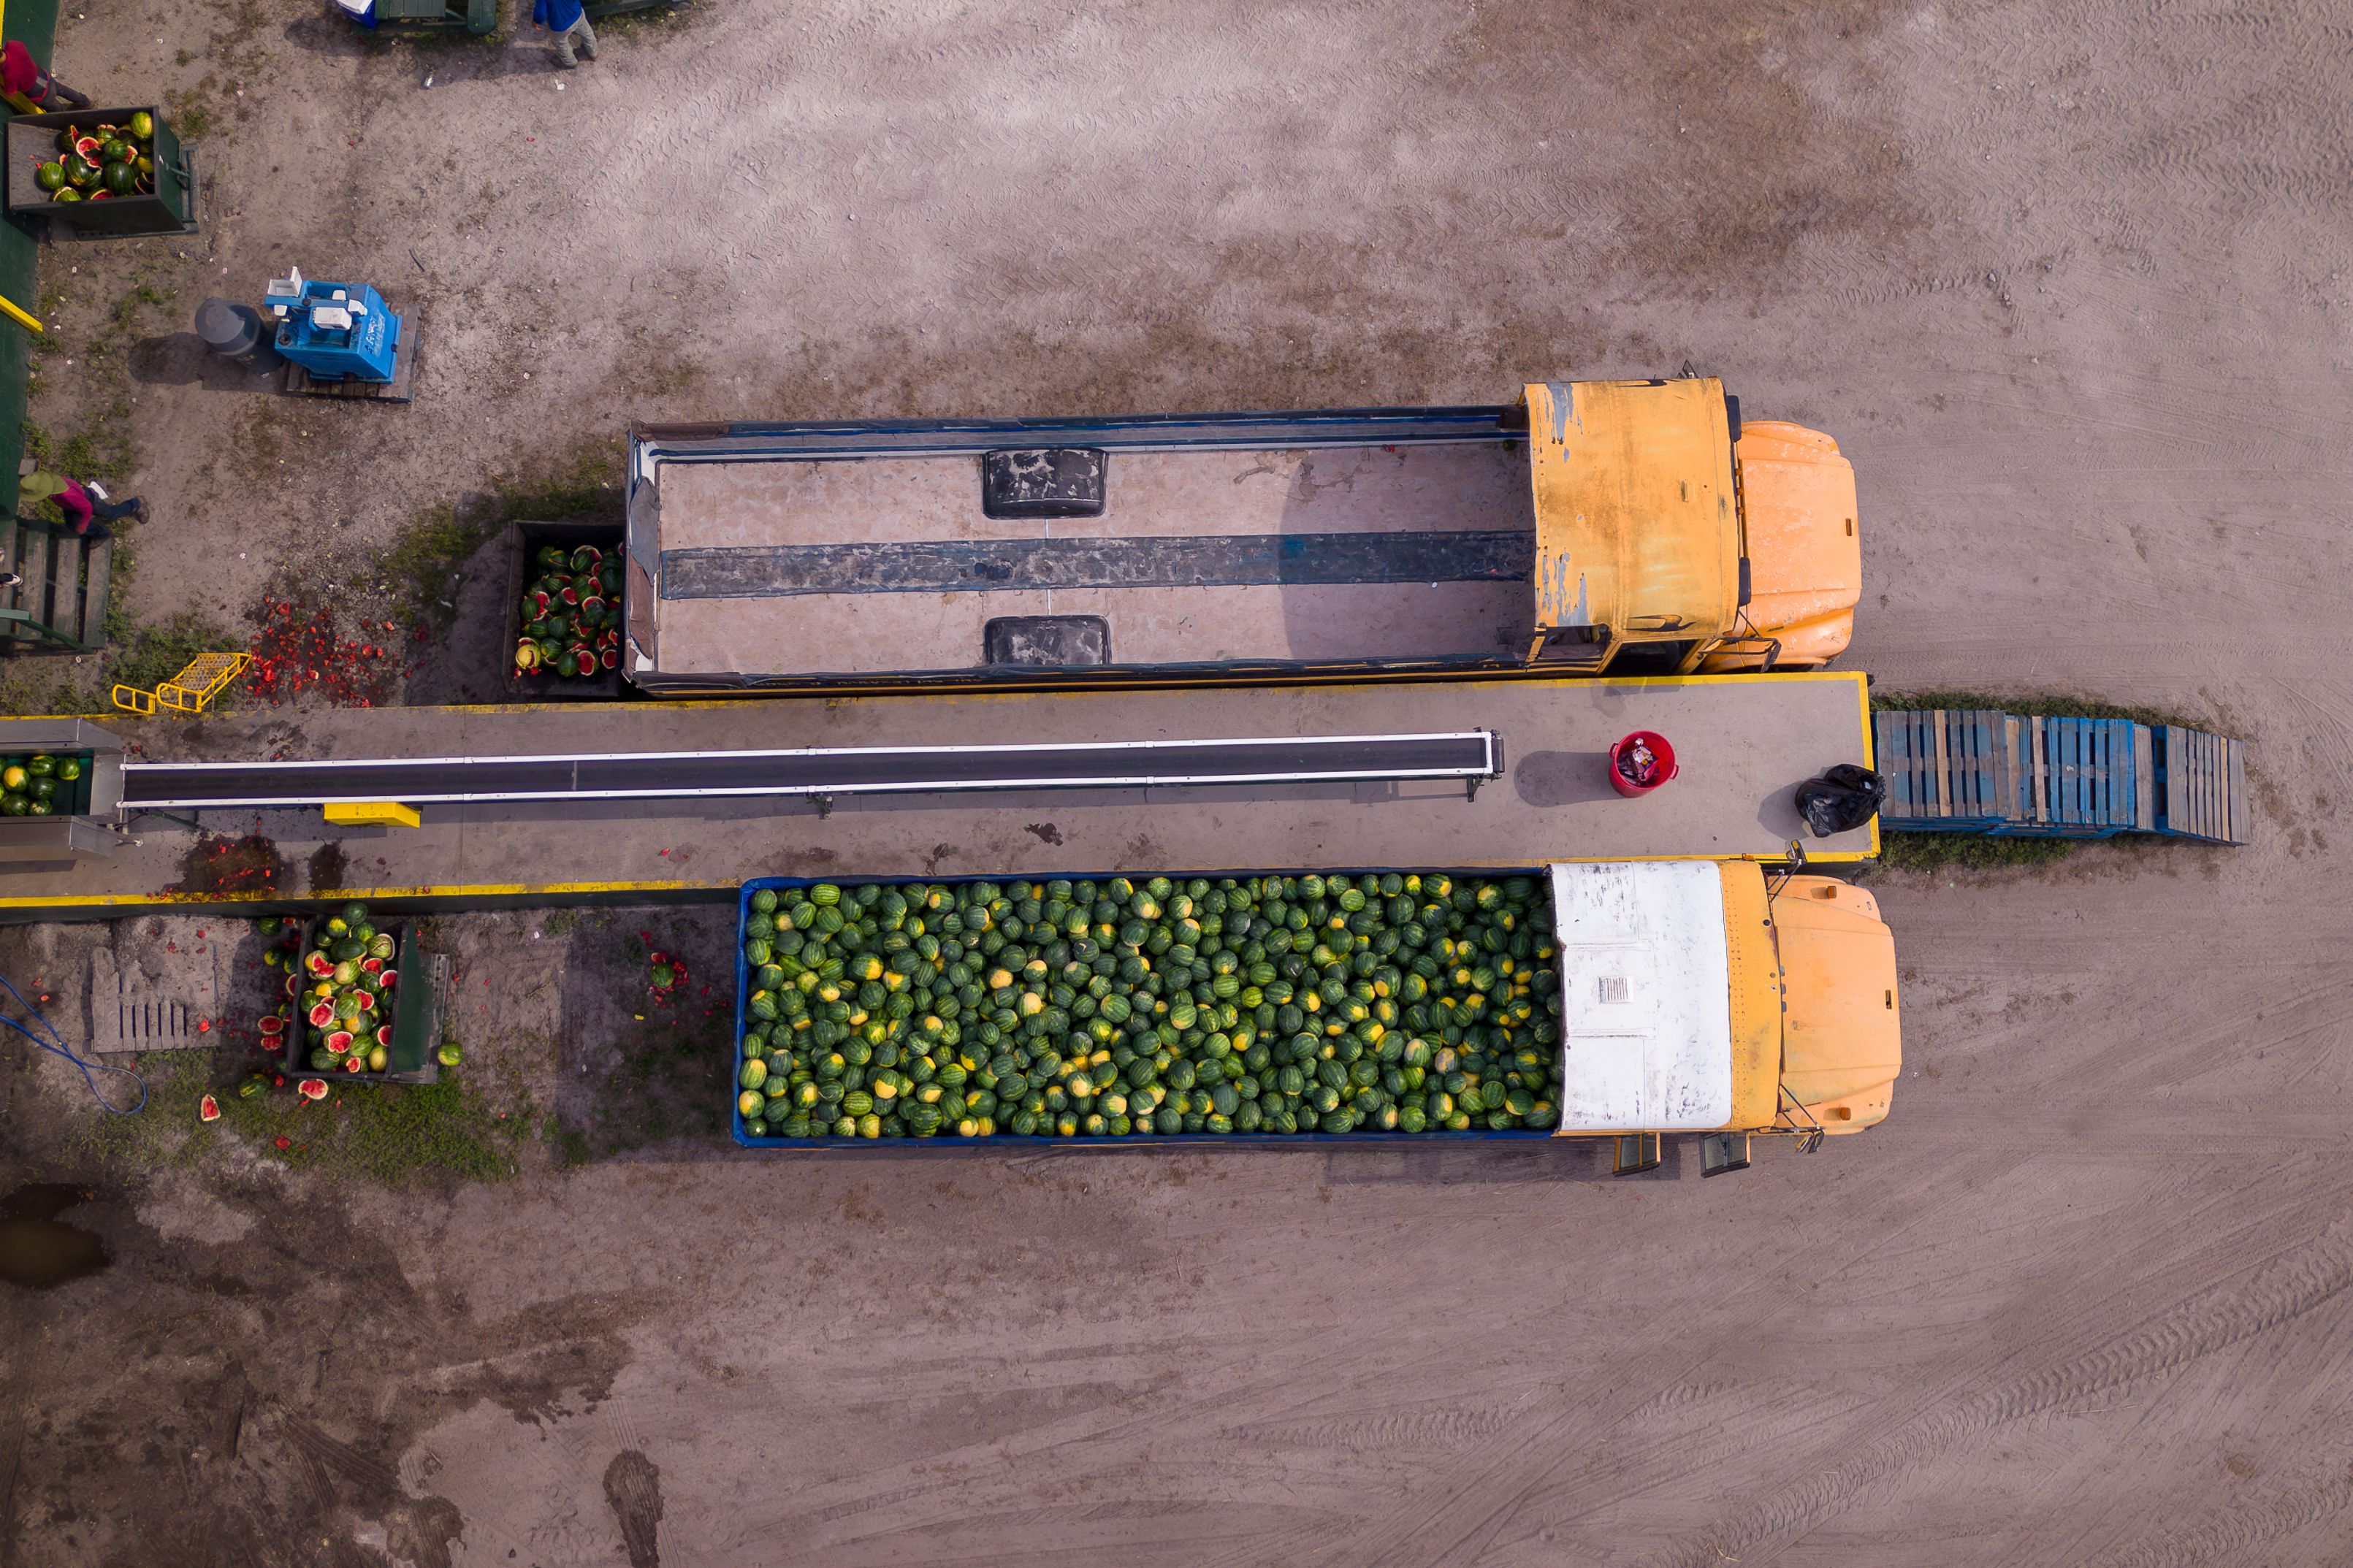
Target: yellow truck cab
[
  {"x": 1619, "y": 528},
  {"x": 1671, "y": 537},
  {"x": 1698, "y": 997}
]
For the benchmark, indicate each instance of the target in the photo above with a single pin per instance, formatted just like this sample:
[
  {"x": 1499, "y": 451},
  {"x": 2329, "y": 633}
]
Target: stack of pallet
[{"x": 1981, "y": 771}]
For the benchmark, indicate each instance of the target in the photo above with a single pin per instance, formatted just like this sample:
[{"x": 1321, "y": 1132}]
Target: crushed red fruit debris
[
  {"x": 300, "y": 649},
  {"x": 285, "y": 1142}
]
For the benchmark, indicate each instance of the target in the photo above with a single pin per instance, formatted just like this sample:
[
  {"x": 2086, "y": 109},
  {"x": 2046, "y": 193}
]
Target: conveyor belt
[{"x": 1469, "y": 756}]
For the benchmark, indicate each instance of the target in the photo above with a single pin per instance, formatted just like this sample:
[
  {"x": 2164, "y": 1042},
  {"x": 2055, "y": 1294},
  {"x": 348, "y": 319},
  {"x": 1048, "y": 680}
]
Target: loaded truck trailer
[
  {"x": 1589, "y": 527},
  {"x": 1617, "y": 999}
]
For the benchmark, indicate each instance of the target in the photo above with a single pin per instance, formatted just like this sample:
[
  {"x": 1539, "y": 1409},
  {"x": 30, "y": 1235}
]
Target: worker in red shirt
[
  {"x": 22, "y": 75},
  {"x": 87, "y": 508}
]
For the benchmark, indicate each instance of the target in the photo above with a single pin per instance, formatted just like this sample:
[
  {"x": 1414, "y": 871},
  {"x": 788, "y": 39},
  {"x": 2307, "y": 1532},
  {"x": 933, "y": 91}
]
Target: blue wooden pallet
[
  {"x": 1977, "y": 771},
  {"x": 2080, "y": 778},
  {"x": 1948, "y": 771}
]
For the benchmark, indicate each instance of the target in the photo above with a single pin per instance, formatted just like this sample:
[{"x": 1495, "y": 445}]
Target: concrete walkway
[{"x": 1744, "y": 743}]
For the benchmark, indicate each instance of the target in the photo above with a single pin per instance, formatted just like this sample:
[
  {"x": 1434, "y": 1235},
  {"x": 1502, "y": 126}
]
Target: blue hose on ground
[{"x": 55, "y": 1045}]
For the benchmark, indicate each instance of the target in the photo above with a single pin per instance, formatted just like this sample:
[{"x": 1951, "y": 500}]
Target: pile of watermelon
[
  {"x": 98, "y": 162},
  {"x": 571, "y": 614},
  {"x": 36, "y": 785},
  {"x": 339, "y": 992},
  {"x": 1272, "y": 1004}
]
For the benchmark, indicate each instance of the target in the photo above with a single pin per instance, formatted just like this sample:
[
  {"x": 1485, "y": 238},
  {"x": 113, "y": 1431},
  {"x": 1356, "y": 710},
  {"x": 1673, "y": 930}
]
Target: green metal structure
[
  {"x": 34, "y": 24},
  {"x": 474, "y": 15}
]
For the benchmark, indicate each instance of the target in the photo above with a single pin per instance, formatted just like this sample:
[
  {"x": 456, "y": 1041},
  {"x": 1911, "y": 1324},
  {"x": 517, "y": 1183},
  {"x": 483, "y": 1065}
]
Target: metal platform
[
  {"x": 1468, "y": 757},
  {"x": 1744, "y": 743}
]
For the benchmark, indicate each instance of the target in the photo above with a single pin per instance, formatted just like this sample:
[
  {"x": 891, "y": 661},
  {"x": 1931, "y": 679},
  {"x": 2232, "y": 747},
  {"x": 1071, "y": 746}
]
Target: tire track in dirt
[
  {"x": 2234, "y": 1536},
  {"x": 2282, "y": 1290}
]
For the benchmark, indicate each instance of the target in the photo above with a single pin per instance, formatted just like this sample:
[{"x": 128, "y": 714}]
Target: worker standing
[
  {"x": 86, "y": 507},
  {"x": 22, "y": 75},
  {"x": 569, "y": 22}
]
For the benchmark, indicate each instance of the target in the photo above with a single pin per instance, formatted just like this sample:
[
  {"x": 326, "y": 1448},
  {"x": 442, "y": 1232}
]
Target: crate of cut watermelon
[
  {"x": 362, "y": 1000},
  {"x": 563, "y": 611}
]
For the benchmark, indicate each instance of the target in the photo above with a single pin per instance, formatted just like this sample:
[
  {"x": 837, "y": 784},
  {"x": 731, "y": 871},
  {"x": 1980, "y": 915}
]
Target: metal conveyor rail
[{"x": 1468, "y": 757}]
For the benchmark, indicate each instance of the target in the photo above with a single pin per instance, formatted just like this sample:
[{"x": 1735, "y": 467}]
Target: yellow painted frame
[{"x": 373, "y": 814}]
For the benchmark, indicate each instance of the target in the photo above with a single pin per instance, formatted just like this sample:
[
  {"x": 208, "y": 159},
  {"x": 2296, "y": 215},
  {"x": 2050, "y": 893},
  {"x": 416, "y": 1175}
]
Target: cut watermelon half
[
  {"x": 366, "y": 999},
  {"x": 318, "y": 964},
  {"x": 340, "y": 1041},
  {"x": 373, "y": 964},
  {"x": 208, "y": 1109},
  {"x": 355, "y": 1063},
  {"x": 610, "y": 658},
  {"x": 311, "y": 1089},
  {"x": 272, "y": 1024},
  {"x": 293, "y": 984},
  {"x": 388, "y": 976},
  {"x": 383, "y": 1034},
  {"x": 322, "y": 1015}
]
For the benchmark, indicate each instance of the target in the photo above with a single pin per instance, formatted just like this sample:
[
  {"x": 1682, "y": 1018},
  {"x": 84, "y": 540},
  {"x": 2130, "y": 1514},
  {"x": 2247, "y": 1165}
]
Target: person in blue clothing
[{"x": 569, "y": 23}]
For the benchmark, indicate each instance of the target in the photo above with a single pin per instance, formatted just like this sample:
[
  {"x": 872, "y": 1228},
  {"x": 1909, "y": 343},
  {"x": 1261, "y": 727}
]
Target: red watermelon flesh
[
  {"x": 272, "y": 1024},
  {"x": 322, "y": 1015},
  {"x": 340, "y": 1041},
  {"x": 383, "y": 1034}
]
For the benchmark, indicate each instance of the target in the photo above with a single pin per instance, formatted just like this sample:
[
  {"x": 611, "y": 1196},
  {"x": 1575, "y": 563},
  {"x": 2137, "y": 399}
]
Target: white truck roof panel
[{"x": 1645, "y": 996}]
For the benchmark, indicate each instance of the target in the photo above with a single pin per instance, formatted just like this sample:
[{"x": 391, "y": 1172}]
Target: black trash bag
[{"x": 1842, "y": 799}]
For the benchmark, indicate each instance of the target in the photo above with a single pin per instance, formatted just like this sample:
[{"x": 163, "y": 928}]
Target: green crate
[
  {"x": 415, "y": 1014},
  {"x": 170, "y": 208},
  {"x": 475, "y": 16}
]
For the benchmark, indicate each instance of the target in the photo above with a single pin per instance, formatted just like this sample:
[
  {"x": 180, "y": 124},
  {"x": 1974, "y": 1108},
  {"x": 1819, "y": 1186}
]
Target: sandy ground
[{"x": 2070, "y": 283}]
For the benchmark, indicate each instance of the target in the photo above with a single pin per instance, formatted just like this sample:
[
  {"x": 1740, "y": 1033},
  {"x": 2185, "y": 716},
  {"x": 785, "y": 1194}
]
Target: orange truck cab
[
  {"x": 1701, "y": 997},
  {"x": 1673, "y": 538}
]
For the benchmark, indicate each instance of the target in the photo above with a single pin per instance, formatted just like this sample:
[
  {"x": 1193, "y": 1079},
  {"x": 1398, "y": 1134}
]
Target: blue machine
[{"x": 336, "y": 332}]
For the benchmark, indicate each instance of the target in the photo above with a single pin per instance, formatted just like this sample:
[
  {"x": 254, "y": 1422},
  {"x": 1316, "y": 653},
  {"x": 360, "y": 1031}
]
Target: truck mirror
[
  {"x": 1634, "y": 1153},
  {"x": 1723, "y": 1151}
]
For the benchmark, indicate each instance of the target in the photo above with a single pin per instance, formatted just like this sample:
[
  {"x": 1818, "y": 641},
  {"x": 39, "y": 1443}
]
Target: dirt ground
[{"x": 2069, "y": 281}]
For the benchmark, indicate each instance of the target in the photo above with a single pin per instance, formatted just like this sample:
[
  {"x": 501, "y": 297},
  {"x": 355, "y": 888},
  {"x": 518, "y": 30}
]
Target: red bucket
[{"x": 1629, "y": 775}]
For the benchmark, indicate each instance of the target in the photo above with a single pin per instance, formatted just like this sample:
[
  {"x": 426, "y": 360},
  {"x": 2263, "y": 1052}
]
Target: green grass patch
[
  {"x": 2043, "y": 707},
  {"x": 1904, "y": 851},
  {"x": 389, "y": 1134},
  {"x": 99, "y": 451},
  {"x": 585, "y": 483}
]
